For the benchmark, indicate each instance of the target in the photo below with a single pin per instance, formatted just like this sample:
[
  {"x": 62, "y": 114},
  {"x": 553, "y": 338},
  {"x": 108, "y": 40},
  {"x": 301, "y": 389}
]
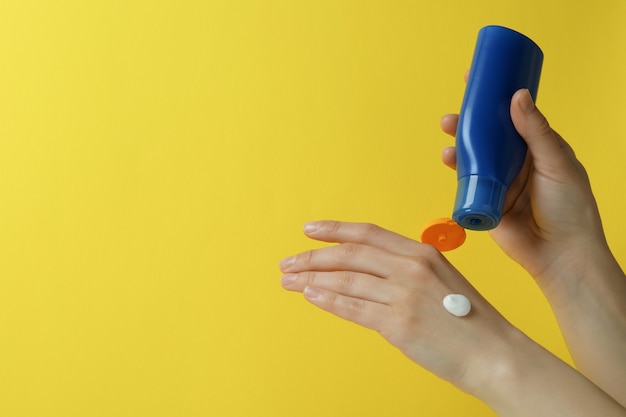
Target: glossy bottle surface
[{"x": 490, "y": 152}]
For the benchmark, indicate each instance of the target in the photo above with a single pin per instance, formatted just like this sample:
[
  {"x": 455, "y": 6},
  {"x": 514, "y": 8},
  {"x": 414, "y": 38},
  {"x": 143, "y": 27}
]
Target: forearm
[
  {"x": 588, "y": 296},
  {"x": 527, "y": 380}
]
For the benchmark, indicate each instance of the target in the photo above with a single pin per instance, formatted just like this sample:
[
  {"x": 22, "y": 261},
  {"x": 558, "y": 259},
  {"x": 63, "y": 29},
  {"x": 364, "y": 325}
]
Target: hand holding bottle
[{"x": 551, "y": 226}]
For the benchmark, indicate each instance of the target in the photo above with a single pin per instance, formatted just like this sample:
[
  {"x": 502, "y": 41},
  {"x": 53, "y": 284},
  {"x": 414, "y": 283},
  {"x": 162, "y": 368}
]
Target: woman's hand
[
  {"x": 395, "y": 285},
  {"x": 551, "y": 226},
  {"x": 550, "y": 215}
]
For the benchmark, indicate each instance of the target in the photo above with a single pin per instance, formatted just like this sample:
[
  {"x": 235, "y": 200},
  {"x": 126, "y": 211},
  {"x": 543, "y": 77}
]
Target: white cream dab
[{"x": 457, "y": 304}]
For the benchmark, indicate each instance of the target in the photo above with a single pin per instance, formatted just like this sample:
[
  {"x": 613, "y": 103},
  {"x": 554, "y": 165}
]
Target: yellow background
[{"x": 158, "y": 158}]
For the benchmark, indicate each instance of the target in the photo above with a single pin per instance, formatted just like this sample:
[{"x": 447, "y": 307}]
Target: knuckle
[
  {"x": 305, "y": 258},
  {"x": 330, "y": 300},
  {"x": 346, "y": 280},
  {"x": 355, "y": 306},
  {"x": 309, "y": 278},
  {"x": 348, "y": 250},
  {"x": 418, "y": 265},
  {"x": 430, "y": 252},
  {"x": 367, "y": 231},
  {"x": 543, "y": 126},
  {"x": 419, "y": 270},
  {"x": 346, "y": 307},
  {"x": 334, "y": 227}
]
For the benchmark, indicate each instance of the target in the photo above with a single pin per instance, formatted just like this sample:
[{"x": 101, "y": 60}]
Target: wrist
[
  {"x": 588, "y": 297},
  {"x": 521, "y": 378},
  {"x": 585, "y": 271},
  {"x": 497, "y": 371}
]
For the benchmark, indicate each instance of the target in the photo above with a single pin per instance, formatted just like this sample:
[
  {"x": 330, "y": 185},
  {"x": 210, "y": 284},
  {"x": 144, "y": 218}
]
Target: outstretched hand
[{"x": 395, "y": 286}]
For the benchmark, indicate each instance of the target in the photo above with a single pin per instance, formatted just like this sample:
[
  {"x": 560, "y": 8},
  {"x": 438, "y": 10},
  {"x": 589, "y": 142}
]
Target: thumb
[{"x": 547, "y": 148}]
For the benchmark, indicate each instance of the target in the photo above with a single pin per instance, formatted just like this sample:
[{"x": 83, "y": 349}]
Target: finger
[
  {"x": 362, "y": 233},
  {"x": 352, "y": 284},
  {"x": 549, "y": 150},
  {"x": 448, "y": 123},
  {"x": 448, "y": 157},
  {"x": 363, "y": 312},
  {"x": 344, "y": 257}
]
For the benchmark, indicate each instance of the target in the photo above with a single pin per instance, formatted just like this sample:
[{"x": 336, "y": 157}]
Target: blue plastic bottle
[{"x": 490, "y": 152}]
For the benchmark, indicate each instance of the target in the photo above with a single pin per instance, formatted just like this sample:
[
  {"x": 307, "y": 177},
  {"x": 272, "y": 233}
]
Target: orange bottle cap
[{"x": 444, "y": 234}]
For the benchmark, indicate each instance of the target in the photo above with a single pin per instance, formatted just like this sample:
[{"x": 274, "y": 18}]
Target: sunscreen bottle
[{"x": 490, "y": 152}]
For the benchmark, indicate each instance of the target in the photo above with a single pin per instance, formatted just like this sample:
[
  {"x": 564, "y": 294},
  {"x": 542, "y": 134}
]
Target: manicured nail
[
  {"x": 287, "y": 262},
  {"x": 288, "y": 279},
  {"x": 311, "y": 293},
  {"x": 526, "y": 102},
  {"x": 311, "y": 227}
]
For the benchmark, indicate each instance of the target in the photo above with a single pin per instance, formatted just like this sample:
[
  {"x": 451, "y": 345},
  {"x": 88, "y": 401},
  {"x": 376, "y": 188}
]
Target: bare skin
[
  {"x": 395, "y": 286},
  {"x": 553, "y": 229},
  {"x": 551, "y": 226}
]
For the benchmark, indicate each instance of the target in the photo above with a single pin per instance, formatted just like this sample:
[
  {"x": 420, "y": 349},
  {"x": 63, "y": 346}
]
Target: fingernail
[
  {"x": 287, "y": 262},
  {"x": 311, "y": 293},
  {"x": 311, "y": 227},
  {"x": 526, "y": 102},
  {"x": 288, "y": 279}
]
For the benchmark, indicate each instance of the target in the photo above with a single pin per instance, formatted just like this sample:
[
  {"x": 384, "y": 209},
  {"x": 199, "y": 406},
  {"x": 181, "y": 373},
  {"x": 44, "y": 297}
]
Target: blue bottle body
[{"x": 490, "y": 152}]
